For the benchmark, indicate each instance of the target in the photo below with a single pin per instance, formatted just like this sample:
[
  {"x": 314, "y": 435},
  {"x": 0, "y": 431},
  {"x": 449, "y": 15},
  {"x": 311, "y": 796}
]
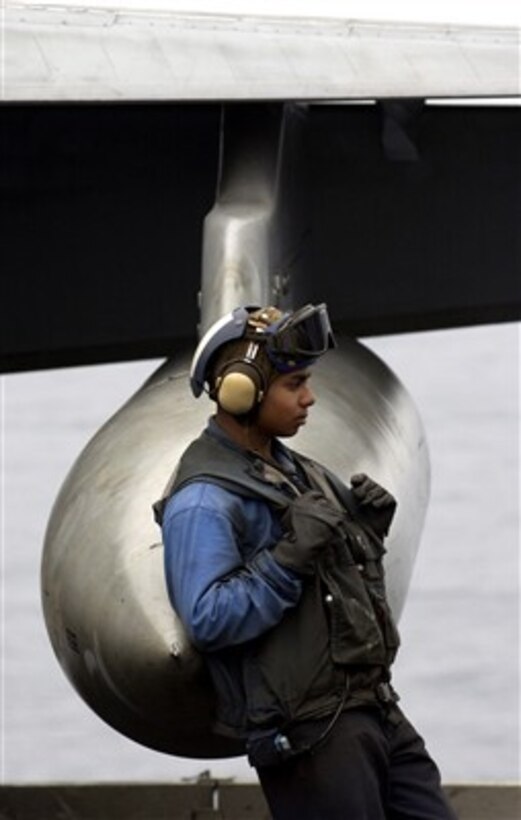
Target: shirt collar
[{"x": 280, "y": 453}]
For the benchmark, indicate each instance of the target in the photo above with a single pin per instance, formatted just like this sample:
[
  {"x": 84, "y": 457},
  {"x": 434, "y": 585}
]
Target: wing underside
[{"x": 412, "y": 208}]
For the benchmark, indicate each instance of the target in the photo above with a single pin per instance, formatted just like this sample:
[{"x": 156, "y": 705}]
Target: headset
[
  {"x": 274, "y": 341},
  {"x": 241, "y": 384}
]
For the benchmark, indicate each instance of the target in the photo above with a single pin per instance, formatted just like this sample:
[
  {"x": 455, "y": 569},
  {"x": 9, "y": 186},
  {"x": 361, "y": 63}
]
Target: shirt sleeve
[{"x": 221, "y": 600}]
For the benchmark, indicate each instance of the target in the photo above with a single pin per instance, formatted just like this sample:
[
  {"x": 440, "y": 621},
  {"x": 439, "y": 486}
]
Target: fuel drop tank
[{"x": 104, "y": 595}]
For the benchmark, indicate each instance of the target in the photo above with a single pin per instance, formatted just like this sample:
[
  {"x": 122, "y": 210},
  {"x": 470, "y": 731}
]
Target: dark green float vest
[{"x": 342, "y": 618}]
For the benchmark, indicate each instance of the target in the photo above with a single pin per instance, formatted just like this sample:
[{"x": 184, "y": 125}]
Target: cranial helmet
[{"x": 240, "y": 355}]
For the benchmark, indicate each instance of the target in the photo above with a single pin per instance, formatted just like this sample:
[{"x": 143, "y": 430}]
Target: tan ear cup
[{"x": 237, "y": 393}]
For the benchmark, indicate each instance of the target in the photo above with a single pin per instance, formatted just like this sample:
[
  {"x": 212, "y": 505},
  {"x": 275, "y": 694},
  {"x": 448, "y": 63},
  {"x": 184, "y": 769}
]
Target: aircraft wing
[
  {"x": 112, "y": 143},
  {"x": 54, "y": 53}
]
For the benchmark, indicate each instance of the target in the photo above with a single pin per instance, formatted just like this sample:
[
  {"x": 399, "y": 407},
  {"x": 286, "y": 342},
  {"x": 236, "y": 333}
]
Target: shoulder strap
[{"x": 208, "y": 459}]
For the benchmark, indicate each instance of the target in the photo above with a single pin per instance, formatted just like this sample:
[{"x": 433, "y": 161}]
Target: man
[{"x": 275, "y": 568}]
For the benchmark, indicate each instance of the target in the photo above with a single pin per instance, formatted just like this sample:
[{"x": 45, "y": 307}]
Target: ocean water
[{"x": 458, "y": 670}]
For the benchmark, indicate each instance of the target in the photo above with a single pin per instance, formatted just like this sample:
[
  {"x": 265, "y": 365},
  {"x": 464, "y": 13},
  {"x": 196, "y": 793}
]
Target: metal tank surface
[{"x": 104, "y": 594}]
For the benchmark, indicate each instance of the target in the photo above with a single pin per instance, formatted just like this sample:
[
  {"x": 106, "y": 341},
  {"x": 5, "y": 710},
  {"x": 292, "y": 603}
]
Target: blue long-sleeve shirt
[{"x": 222, "y": 579}]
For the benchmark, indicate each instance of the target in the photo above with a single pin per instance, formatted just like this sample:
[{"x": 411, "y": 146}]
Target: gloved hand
[
  {"x": 311, "y": 524},
  {"x": 377, "y": 506}
]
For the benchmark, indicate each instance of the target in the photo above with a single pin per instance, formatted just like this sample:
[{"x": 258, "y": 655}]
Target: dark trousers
[{"x": 372, "y": 766}]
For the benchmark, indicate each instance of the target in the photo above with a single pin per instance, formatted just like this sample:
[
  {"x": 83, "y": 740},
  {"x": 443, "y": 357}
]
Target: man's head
[{"x": 242, "y": 354}]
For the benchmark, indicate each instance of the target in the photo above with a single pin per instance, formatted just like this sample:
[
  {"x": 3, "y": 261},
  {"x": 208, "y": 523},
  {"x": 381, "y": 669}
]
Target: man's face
[{"x": 285, "y": 406}]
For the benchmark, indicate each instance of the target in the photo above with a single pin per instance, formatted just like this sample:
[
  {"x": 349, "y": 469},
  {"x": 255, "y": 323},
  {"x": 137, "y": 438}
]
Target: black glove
[
  {"x": 376, "y": 505},
  {"x": 311, "y": 524}
]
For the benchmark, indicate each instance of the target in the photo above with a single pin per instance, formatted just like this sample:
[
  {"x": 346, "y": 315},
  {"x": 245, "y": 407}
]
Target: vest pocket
[
  {"x": 356, "y": 634},
  {"x": 356, "y": 637},
  {"x": 290, "y": 666}
]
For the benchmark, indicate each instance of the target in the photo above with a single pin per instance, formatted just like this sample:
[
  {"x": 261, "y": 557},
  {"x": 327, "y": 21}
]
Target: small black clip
[{"x": 386, "y": 694}]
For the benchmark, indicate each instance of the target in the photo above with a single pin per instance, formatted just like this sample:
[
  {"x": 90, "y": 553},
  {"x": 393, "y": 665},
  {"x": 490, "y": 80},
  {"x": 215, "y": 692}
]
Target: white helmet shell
[{"x": 225, "y": 329}]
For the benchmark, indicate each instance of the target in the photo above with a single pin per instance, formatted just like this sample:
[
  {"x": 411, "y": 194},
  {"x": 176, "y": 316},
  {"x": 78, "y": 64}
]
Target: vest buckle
[{"x": 386, "y": 694}]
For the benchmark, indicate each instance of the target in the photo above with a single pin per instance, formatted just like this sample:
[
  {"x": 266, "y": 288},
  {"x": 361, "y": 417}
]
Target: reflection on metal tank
[{"x": 104, "y": 594}]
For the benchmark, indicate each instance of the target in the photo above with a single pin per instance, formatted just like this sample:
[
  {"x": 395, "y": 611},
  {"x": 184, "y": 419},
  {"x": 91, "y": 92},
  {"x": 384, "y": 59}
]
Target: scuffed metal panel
[{"x": 55, "y": 53}]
